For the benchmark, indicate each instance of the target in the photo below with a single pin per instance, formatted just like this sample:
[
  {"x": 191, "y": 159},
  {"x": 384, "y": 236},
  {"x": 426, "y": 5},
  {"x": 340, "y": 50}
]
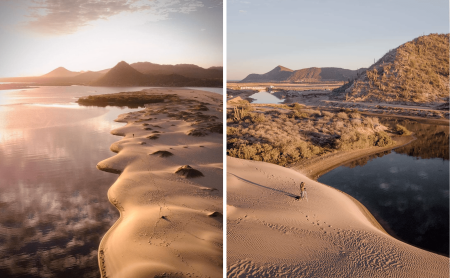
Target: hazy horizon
[
  {"x": 347, "y": 34},
  {"x": 38, "y": 37}
]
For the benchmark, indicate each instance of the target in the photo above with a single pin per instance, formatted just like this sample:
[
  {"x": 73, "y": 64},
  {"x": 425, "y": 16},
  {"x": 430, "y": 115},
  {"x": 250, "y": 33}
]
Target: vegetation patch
[
  {"x": 129, "y": 99},
  {"x": 281, "y": 137},
  {"x": 401, "y": 130},
  {"x": 189, "y": 172},
  {"x": 163, "y": 153}
]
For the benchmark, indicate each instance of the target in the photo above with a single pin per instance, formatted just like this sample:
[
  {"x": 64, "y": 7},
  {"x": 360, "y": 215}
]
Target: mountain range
[
  {"x": 136, "y": 74},
  {"x": 283, "y": 74}
]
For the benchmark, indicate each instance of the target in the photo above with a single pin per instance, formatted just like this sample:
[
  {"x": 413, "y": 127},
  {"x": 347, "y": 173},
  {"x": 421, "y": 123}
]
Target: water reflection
[
  {"x": 265, "y": 97},
  {"x": 53, "y": 205},
  {"x": 406, "y": 189}
]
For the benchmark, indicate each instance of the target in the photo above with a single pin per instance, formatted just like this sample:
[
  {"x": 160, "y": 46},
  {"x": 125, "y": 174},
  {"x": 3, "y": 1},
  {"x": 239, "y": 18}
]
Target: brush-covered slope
[{"x": 415, "y": 72}]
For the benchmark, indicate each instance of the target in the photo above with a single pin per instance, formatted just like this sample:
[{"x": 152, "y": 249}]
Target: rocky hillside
[
  {"x": 415, "y": 72},
  {"x": 283, "y": 74}
]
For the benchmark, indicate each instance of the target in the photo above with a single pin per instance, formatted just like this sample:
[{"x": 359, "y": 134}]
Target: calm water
[
  {"x": 265, "y": 97},
  {"x": 407, "y": 189},
  {"x": 53, "y": 204},
  {"x": 213, "y": 90}
]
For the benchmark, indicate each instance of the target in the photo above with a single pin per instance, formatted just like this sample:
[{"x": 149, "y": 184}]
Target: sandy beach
[
  {"x": 272, "y": 234},
  {"x": 170, "y": 223}
]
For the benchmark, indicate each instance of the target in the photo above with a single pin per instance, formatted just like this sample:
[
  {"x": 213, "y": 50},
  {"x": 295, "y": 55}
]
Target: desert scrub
[
  {"x": 282, "y": 138},
  {"x": 401, "y": 130}
]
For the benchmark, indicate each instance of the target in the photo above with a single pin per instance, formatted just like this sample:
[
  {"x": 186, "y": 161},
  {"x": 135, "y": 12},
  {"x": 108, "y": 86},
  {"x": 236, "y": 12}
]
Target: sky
[
  {"x": 350, "y": 34},
  {"x": 38, "y": 36}
]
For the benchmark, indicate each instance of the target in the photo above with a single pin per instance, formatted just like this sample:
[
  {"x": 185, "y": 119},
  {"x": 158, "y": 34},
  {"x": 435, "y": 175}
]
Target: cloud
[
  {"x": 59, "y": 17},
  {"x": 242, "y": 11}
]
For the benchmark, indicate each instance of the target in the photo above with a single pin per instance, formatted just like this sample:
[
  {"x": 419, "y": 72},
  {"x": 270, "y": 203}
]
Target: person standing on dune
[{"x": 302, "y": 188}]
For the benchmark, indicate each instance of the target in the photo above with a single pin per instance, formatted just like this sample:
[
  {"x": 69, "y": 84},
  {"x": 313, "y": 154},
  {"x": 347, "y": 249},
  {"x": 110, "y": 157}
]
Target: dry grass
[{"x": 281, "y": 137}]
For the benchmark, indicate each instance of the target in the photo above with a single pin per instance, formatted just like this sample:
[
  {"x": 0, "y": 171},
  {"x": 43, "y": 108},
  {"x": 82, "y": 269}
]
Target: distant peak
[
  {"x": 281, "y": 68},
  {"x": 122, "y": 63}
]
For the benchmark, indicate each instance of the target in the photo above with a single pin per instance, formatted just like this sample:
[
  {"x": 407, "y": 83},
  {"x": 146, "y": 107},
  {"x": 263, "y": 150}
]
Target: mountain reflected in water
[{"x": 53, "y": 202}]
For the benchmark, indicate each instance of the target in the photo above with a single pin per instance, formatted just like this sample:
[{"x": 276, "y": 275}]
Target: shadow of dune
[{"x": 266, "y": 187}]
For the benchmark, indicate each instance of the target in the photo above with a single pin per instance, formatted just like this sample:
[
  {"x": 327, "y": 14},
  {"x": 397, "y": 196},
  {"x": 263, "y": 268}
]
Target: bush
[
  {"x": 258, "y": 118},
  {"x": 342, "y": 115},
  {"x": 401, "y": 130},
  {"x": 383, "y": 139}
]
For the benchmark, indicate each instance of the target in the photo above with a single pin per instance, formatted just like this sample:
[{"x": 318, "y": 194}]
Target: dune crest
[
  {"x": 164, "y": 229},
  {"x": 330, "y": 234}
]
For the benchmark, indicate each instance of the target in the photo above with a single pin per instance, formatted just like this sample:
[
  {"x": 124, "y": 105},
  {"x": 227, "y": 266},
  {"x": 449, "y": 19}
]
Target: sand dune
[
  {"x": 167, "y": 225},
  {"x": 272, "y": 234}
]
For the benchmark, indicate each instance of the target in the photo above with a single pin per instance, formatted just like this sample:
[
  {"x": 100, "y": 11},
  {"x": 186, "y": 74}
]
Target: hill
[
  {"x": 186, "y": 70},
  {"x": 121, "y": 75},
  {"x": 322, "y": 74},
  {"x": 414, "y": 72},
  {"x": 283, "y": 74},
  {"x": 137, "y": 74},
  {"x": 278, "y": 74},
  {"x": 124, "y": 74},
  {"x": 61, "y": 72}
]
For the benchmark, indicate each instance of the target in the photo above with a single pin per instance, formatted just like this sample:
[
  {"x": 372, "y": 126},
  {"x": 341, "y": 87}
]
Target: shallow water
[
  {"x": 265, "y": 97},
  {"x": 53, "y": 203},
  {"x": 406, "y": 189},
  {"x": 208, "y": 89}
]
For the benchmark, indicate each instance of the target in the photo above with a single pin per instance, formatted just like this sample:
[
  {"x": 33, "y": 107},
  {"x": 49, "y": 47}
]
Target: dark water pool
[{"x": 406, "y": 189}]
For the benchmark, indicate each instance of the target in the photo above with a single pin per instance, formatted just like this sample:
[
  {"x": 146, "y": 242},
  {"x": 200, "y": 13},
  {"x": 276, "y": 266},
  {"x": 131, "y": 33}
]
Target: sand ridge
[
  {"x": 271, "y": 234},
  {"x": 169, "y": 225}
]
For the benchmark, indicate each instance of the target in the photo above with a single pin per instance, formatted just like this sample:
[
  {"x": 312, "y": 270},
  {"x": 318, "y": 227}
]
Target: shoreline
[
  {"x": 168, "y": 224},
  {"x": 315, "y": 167}
]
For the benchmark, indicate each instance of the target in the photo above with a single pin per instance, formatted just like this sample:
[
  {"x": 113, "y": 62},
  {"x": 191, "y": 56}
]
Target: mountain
[
  {"x": 278, "y": 74},
  {"x": 137, "y": 74},
  {"x": 124, "y": 74},
  {"x": 187, "y": 70},
  {"x": 86, "y": 77},
  {"x": 61, "y": 72},
  {"x": 283, "y": 74},
  {"x": 414, "y": 72},
  {"x": 322, "y": 74},
  {"x": 121, "y": 75}
]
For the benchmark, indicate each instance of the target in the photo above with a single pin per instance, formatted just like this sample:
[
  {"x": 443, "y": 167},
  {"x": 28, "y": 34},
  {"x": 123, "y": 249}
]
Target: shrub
[
  {"x": 257, "y": 118},
  {"x": 162, "y": 153},
  {"x": 342, "y": 115},
  {"x": 401, "y": 130},
  {"x": 383, "y": 139},
  {"x": 188, "y": 172}
]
